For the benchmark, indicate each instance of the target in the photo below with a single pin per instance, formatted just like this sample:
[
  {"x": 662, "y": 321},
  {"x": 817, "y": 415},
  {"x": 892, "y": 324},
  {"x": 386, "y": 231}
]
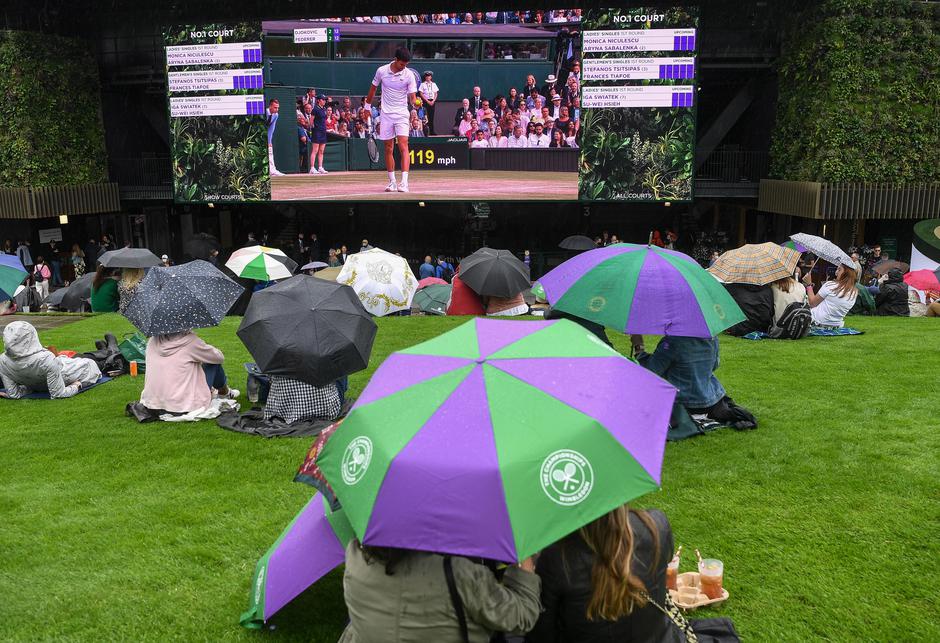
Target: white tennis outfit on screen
[{"x": 395, "y": 113}]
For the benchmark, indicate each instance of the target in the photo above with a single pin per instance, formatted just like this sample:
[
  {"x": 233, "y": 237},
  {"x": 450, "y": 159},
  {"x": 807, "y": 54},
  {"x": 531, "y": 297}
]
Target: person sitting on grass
[
  {"x": 127, "y": 287},
  {"x": 182, "y": 373},
  {"x": 399, "y": 595},
  {"x": 689, "y": 364},
  {"x": 757, "y": 304},
  {"x": 293, "y": 401},
  {"x": 600, "y": 582},
  {"x": 26, "y": 367},
  {"x": 892, "y": 296},
  {"x": 105, "y": 297},
  {"x": 834, "y": 299}
]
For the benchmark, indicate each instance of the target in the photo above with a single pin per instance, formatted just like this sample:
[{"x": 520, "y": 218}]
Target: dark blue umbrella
[{"x": 176, "y": 299}]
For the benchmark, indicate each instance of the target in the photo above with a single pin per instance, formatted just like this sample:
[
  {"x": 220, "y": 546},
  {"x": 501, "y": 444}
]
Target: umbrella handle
[{"x": 649, "y": 243}]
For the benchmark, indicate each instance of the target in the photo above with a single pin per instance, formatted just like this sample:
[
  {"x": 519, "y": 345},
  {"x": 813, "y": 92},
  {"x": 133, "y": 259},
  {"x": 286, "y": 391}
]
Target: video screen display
[{"x": 555, "y": 105}]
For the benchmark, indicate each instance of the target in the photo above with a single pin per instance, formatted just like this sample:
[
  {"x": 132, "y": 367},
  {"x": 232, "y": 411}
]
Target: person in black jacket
[
  {"x": 892, "y": 295},
  {"x": 757, "y": 304},
  {"x": 595, "y": 582}
]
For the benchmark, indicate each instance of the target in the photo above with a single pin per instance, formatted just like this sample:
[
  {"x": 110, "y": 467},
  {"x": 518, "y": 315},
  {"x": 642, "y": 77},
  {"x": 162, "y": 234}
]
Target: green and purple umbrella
[
  {"x": 642, "y": 290},
  {"x": 12, "y": 274},
  {"x": 496, "y": 439},
  {"x": 312, "y": 545}
]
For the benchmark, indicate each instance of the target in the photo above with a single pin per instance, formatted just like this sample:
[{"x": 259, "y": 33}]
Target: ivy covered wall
[
  {"x": 860, "y": 93},
  {"x": 50, "y": 112}
]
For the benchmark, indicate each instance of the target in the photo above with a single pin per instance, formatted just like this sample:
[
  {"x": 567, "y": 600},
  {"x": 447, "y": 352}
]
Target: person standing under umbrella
[{"x": 182, "y": 373}]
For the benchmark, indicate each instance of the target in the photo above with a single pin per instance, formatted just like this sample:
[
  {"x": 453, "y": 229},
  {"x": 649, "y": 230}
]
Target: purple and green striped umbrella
[
  {"x": 312, "y": 545},
  {"x": 496, "y": 439},
  {"x": 12, "y": 274},
  {"x": 642, "y": 290}
]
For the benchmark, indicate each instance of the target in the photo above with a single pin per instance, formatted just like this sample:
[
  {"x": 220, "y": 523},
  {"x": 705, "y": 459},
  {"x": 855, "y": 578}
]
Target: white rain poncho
[{"x": 26, "y": 367}]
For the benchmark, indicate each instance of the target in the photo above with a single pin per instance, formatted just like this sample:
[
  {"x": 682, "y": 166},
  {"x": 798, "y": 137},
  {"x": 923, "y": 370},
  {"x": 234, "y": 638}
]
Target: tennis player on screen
[{"x": 398, "y": 95}]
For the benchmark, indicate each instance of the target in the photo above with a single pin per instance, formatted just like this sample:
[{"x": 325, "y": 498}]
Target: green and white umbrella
[{"x": 261, "y": 263}]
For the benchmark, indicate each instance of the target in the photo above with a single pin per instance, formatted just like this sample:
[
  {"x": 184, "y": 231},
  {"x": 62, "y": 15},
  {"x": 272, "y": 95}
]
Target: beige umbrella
[{"x": 758, "y": 264}]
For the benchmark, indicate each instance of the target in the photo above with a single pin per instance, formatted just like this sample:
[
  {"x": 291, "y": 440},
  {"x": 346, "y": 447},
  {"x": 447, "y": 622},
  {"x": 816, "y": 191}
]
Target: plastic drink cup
[
  {"x": 711, "y": 573},
  {"x": 672, "y": 575},
  {"x": 133, "y": 366}
]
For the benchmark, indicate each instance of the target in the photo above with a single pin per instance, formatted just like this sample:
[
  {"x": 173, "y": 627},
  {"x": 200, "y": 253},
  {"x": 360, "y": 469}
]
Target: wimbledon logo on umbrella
[
  {"x": 356, "y": 460},
  {"x": 567, "y": 477}
]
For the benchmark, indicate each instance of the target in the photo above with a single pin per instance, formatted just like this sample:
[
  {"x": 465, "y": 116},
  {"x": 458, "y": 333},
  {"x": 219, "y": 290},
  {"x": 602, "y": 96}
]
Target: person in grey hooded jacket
[{"x": 27, "y": 367}]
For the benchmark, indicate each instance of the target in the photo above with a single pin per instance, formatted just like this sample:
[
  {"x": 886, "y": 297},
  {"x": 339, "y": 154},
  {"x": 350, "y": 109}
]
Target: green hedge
[
  {"x": 860, "y": 93},
  {"x": 51, "y": 131}
]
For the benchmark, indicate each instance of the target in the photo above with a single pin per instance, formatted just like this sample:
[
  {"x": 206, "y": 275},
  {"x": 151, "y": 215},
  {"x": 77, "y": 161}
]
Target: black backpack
[{"x": 794, "y": 323}]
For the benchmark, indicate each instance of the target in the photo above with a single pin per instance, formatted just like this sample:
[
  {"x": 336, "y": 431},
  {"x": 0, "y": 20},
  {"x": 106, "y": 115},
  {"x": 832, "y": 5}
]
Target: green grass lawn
[{"x": 826, "y": 516}]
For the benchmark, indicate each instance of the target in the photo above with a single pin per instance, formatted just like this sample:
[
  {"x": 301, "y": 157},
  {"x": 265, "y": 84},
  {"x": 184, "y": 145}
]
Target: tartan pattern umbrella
[
  {"x": 824, "y": 249},
  {"x": 923, "y": 279},
  {"x": 311, "y": 546},
  {"x": 261, "y": 263},
  {"x": 757, "y": 264},
  {"x": 642, "y": 290},
  {"x": 473, "y": 444},
  {"x": 12, "y": 274}
]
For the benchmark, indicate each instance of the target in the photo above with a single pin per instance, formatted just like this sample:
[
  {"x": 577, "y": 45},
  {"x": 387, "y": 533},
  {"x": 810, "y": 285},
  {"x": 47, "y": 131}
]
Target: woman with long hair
[
  {"x": 78, "y": 260},
  {"x": 600, "y": 583},
  {"x": 127, "y": 287},
  {"x": 786, "y": 291},
  {"x": 104, "y": 291},
  {"x": 399, "y": 595},
  {"x": 834, "y": 299}
]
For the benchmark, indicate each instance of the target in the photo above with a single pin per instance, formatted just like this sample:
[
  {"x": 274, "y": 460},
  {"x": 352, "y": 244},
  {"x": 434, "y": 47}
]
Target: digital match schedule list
[
  {"x": 634, "y": 72},
  {"x": 213, "y": 78}
]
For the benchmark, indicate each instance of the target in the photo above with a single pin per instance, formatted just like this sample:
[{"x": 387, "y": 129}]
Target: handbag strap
[
  {"x": 674, "y": 614},
  {"x": 455, "y": 599}
]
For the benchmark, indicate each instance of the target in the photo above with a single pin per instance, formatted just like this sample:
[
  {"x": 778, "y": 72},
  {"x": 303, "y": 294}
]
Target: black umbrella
[
  {"x": 55, "y": 299},
  {"x": 179, "y": 298},
  {"x": 308, "y": 329},
  {"x": 78, "y": 293},
  {"x": 495, "y": 273},
  {"x": 201, "y": 246},
  {"x": 129, "y": 258},
  {"x": 577, "y": 242}
]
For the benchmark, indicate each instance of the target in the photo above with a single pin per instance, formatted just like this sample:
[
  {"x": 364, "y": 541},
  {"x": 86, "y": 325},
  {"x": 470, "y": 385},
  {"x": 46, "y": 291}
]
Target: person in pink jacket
[{"x": 182, "y": 372}]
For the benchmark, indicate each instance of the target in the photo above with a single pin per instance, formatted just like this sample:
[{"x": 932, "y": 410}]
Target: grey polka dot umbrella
[{"x": 180, "y": 298}]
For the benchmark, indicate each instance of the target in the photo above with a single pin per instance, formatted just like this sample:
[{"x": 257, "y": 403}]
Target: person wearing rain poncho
[
  {"x": 26, "y": 367},
  {"x": 182, "y": 372}
]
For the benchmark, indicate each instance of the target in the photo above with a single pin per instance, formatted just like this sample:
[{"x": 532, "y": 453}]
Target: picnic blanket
[
  {"x": 218, "y": 406},
  {"x": 815, "y": 331},
  {"x": 44, "y": 395},
  {"x": 253, "y": 422}
]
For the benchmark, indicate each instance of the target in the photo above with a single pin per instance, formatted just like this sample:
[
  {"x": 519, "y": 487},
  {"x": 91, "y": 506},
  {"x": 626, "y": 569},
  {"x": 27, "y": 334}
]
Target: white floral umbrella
[{"x": 383, "y": 281}]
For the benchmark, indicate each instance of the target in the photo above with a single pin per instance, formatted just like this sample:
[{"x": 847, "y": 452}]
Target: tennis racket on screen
[{"x": 372, "y": 147}]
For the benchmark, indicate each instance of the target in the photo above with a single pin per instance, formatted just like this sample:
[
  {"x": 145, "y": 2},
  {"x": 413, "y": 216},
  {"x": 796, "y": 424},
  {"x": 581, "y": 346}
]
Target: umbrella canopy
[
  {"x": 78, "y": 293},
  {"x": 201, "y": 245},
  {"x": 383, "y": 281},
  {"x": 129, "y": 258},
  {"x": 539, "y": 292},
  {"x": 12, "y": 274},
  {"x": 430, "y": 281},
  {"x": 577, "y": 242},
  {"x": 433, "y": 299},
  {"x": 308, "y": 329},
  {"x": 884, "y": 267},
  {"x": 793, "y": 245},
  {"x": 311, "y": 546},
  {"x": 473, "y": 444},
  {"x": 642, "y": 290},
  {"x": 757, "y": 264},
  {"x": 261, "y": 263},
  {"x": 313, "y": 265},
  {"x": 54, "y": 299},
  {"x": 495, "y": 273},
  {"x": 179, "y": 298},
  {"x": 329, "y": 274},
  {"x": 923, "y": 279},
  {"x": 824, "y": 249}
]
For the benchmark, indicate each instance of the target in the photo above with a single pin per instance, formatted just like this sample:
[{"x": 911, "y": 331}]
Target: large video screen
[{"x": 554, "y": 105}]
